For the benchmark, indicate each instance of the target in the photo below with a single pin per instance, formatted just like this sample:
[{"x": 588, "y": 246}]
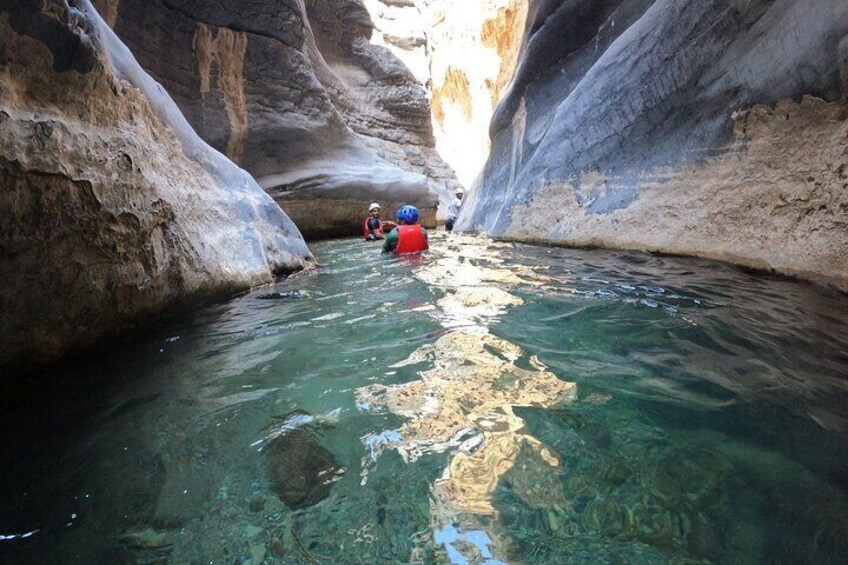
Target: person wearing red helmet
[{"x": 409, "y": 236}]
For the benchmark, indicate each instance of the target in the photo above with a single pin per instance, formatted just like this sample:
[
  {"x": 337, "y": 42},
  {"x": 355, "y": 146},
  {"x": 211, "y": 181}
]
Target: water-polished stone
[{"x": 301, "y": 471}]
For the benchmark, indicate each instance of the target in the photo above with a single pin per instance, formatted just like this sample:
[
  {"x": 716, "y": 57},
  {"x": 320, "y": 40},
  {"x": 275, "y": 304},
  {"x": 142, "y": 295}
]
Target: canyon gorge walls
[
  {"x": 297, "y": 93},
  {"x": 473, "y": 50},
  {"x": 711, "y": 128},
  {"x": 465, "y": 52},
  {"x": 112, "y": 209},
  {"x": 716, "y": 128}
]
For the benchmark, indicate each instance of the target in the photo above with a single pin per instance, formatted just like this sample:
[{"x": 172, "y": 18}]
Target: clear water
[{"x": 494, "y": 403}]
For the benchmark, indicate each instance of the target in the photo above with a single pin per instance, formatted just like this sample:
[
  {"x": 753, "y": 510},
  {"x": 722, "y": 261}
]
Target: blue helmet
[{"x": 408, "y": 214}]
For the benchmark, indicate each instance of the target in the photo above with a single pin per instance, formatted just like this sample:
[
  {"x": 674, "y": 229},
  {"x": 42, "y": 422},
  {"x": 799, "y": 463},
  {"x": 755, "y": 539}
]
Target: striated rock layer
[
  {"x": 297, "y": 94},
  {"x": 714, "y": 128},
  {"x": 111, "y": 207}
]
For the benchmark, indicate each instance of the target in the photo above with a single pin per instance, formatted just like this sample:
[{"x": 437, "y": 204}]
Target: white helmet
[
  {"x": 373, "y": 206},
  {"x": 459, "y": 191}
]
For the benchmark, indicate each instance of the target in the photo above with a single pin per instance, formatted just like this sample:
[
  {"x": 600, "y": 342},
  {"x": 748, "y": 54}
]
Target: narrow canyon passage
[
  {"x": 495, "y": 403},
  {"x": 626, "y": 343}
]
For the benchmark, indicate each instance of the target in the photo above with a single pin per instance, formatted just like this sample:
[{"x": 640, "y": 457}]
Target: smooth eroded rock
[
  {"x": 707, "y": 128},
  {"x": 111, "y": 208},
  {"x": 297, "y": 94}
]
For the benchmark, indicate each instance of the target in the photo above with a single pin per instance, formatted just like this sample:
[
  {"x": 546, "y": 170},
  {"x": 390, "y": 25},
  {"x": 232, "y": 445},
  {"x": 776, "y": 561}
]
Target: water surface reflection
[{"x": 495, "y": 403}]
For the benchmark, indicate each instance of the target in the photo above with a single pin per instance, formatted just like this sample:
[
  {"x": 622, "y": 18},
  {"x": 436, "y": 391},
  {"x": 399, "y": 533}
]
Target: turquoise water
[{"x": 493, "y": 403}]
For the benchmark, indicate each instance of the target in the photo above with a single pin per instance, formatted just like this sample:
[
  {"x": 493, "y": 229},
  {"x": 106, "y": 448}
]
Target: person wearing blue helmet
[{"x": 408, "y": 236}]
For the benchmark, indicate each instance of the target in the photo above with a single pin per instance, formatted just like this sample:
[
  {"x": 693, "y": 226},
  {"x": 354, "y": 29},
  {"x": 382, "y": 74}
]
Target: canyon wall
[
  {"x": 713, "y": 128},
  {"x": 296, "y": 93},
  {"x": 112, "y": 209},
  {"x": 465, "y": 52}
]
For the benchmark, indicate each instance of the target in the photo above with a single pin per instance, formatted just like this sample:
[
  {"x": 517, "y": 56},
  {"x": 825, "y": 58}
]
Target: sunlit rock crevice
[{"x": 465, "y": 52}]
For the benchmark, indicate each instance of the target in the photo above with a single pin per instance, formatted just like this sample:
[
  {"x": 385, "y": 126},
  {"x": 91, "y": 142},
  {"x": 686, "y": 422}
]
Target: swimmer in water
[
  {"x": 375, "y": 228},
  {"x": 408, "y": 237}
]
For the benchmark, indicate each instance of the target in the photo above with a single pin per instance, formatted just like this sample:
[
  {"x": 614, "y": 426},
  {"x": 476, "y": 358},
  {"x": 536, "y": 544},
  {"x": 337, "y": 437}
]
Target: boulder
[{"x": 301, "y": 471}]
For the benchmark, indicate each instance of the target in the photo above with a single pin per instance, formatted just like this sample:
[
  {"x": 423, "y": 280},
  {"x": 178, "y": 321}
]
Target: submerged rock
[
  {"x": 276, "y": 547},
  {"x": 141, "y": 546},
  {"x": 112, "y": 208},
  {"x": 185, "y": 493},
  {"x": 146, "y": 539},
  {"x": 257, "y": 503},
  {"x": 301, "y": 471}
]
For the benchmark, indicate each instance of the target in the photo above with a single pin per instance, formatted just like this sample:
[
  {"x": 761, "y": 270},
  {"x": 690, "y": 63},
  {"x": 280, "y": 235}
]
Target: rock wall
[
  {"x": 715, "y": 128},
  {"x": 111, "y": 208},
  {"x": 296, "y": 92},
  {"x": 465, "y": 52},
  {"x": 467, "y": 88}
]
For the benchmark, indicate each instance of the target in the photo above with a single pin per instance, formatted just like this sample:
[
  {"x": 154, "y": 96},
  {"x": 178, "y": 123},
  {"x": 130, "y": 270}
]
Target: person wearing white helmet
[
  {"x": 453, "y": 209},
  {"x": 375, "y": 228}
]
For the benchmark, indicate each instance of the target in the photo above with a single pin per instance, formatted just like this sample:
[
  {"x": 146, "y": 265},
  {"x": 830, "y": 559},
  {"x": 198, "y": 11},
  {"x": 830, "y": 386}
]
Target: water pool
[{"x": 492, "y": 403}]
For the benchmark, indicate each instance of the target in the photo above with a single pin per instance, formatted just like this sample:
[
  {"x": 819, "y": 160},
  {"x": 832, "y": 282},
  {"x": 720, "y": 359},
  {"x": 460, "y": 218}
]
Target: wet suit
[{"x": 411, "y": 243}]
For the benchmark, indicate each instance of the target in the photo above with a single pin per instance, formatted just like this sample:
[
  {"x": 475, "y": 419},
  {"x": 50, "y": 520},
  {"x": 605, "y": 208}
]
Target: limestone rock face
[
  {"x": 297, "y": 94},
  {"x": 716, "y": 128},
  {"x": 111, "y": 207},
  {"x": 466, "y": 89},
  {"x": 465, "y": 52}
]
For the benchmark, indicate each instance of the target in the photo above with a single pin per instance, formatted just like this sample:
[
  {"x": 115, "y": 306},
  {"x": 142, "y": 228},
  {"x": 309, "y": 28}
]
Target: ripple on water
[{"x": 505, "y": 403}]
